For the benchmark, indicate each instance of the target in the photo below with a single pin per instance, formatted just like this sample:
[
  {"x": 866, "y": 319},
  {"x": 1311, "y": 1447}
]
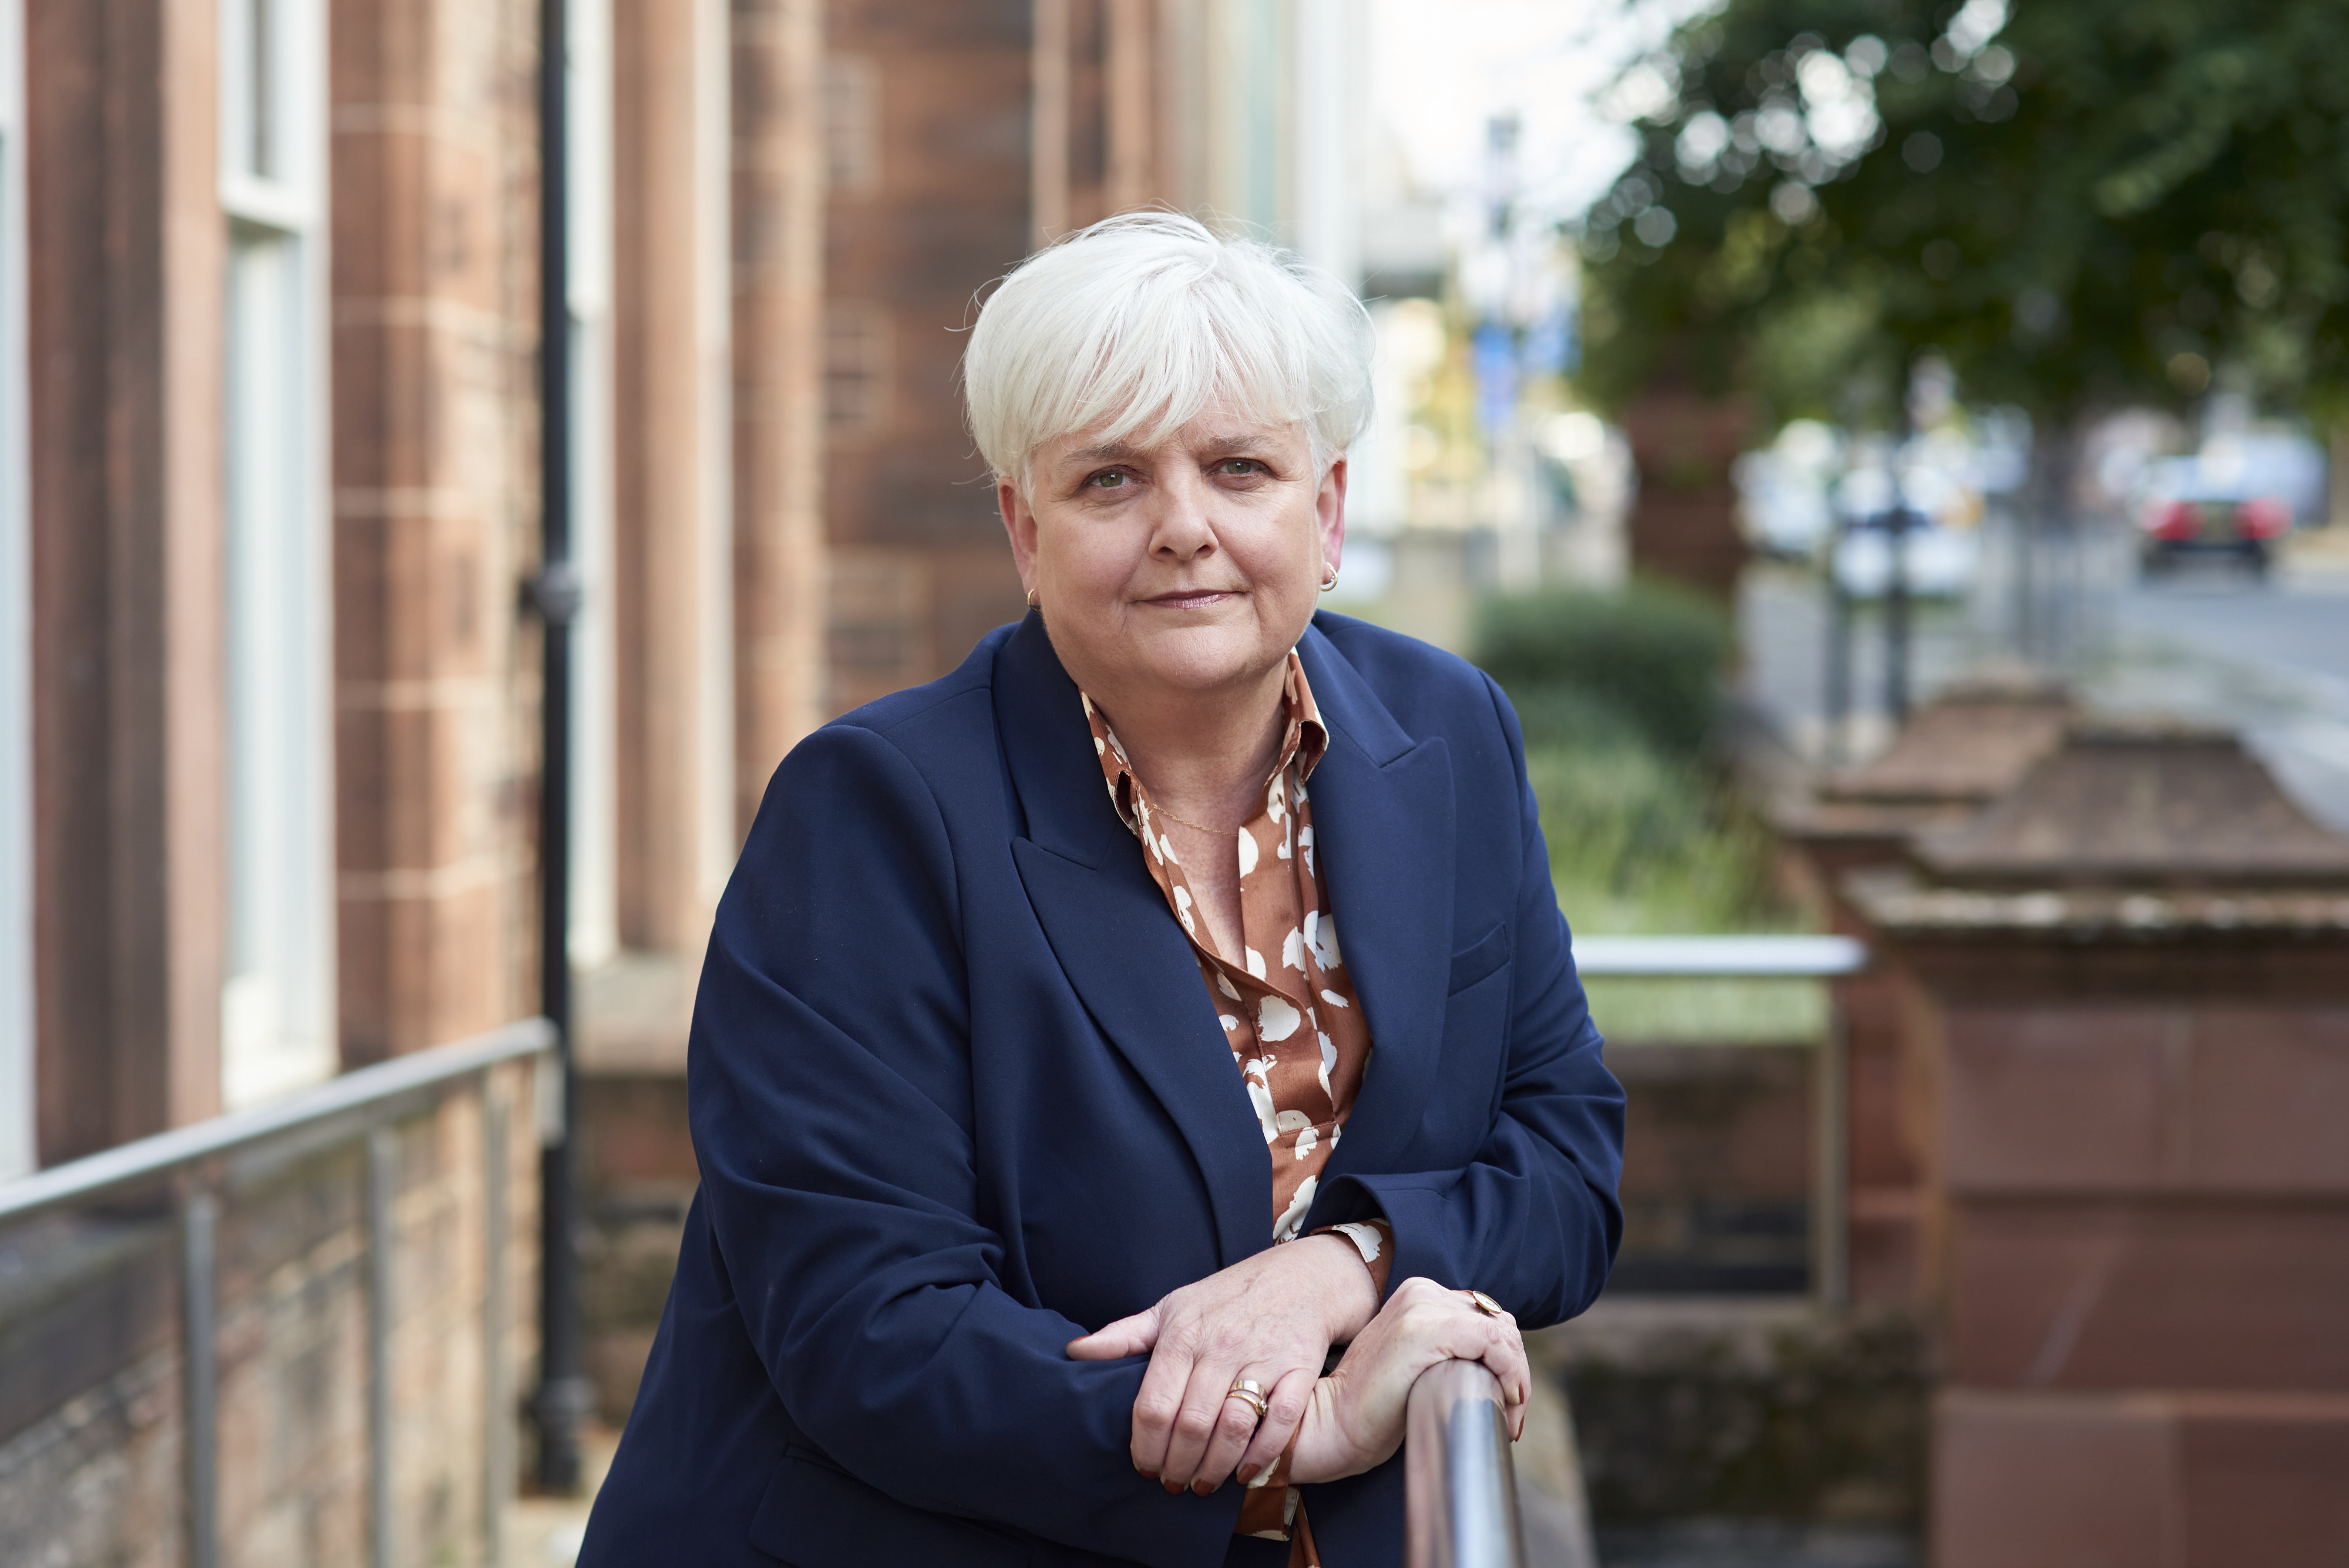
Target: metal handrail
[
  {"x": 367, "y": 1104},
  {"x": 150, "y": 1157},
  {"x": 1460, "y": 1486},
  {"x": 1460, "y": 1497},
  {"x": 1769, "y": 957}
]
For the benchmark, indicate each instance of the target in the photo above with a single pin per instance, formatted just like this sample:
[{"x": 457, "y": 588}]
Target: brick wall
[{"x": 1717, "y": 1168}]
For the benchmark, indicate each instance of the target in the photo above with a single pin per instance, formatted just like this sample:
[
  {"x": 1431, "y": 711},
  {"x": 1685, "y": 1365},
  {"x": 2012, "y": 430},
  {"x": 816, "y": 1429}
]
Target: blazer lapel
[
  {"x": 1382, "y": 824},
  {"x": 1117, "y": 942}
]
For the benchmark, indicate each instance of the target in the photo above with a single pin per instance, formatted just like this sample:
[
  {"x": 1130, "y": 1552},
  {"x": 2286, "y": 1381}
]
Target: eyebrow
[{"x": 1123, "y": 451}]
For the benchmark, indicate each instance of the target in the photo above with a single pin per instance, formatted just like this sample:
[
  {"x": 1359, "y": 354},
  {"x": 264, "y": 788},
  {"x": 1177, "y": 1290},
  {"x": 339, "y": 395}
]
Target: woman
[{"x": 1092, "y": 1040}]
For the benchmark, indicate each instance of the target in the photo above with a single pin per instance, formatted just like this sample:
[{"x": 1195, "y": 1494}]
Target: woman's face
[{"x": 1184, "y": 568}]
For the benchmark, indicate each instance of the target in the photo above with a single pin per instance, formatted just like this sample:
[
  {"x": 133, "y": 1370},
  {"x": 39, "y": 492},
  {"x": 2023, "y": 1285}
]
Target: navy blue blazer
[{"x": 959, "y": 1098}]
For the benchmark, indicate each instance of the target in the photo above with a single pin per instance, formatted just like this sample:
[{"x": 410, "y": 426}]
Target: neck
[{"x": 1203, "y": 755}]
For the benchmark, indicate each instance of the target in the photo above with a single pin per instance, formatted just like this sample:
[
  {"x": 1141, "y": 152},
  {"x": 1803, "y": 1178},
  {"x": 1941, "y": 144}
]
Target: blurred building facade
[
  {"x": 268, "y": 275},
  {"x": 269, "y": 489}
]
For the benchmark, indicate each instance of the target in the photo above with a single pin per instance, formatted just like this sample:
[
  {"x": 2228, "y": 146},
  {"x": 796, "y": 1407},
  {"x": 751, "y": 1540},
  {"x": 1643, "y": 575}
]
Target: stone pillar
[
  {"x": 435, "y": 202},
  {"x": 672, "y": 528},
  {"x": 1103, "y": 82},
  {"x": 779, "y": 555},
  {"x": 2130, "y": 983},
  {"x": 1050, "y": 89},
  {"x": 126, "y": 286},
  {"x": 930, "y": 200},
  {"x": 1130, "y": 112},
  {"x": 1973, "y": 743}
]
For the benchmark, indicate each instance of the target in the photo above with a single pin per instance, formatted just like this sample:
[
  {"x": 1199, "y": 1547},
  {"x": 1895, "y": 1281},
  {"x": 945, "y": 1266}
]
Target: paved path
[{"x": 2271, "y": 658}]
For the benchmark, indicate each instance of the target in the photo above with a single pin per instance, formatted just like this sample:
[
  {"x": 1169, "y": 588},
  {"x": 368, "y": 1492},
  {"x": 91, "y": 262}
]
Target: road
[
  {"x": 2272, "y": 660},
  {"x": 2269, "y": 658}
]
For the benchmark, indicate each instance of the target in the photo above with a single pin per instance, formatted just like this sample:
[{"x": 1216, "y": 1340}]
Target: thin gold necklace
[
  {"x": 1196, "y": 827},
  {"x": 1193, "y": 826}
]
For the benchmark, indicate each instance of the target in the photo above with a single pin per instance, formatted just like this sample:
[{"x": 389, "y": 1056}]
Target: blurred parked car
[{"x": 2218, "y": 504}]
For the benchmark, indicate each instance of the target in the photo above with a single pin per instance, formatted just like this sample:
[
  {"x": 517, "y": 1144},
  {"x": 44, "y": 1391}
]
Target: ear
[
  {"x": 1020, "y": 522},
  {"x": 1329, "y": 513}
]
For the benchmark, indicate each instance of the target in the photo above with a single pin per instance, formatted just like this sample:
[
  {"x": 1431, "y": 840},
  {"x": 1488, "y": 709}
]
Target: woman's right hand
[{"x": 1355, "y": 1420}]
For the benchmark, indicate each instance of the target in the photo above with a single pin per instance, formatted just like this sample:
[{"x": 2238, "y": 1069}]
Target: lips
[{"x": 1190, "y": 598}]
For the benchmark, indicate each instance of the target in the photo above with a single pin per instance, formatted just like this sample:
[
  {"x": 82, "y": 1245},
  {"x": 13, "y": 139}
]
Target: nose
[{"x": 1183, "y": 531}]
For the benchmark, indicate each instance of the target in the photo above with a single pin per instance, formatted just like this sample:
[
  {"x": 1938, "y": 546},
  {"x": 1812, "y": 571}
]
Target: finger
[
  {"x": 1285, "y": 1407},
  {"x": 1505, "y": 1354},
  {"x": 1235, "y": 1429},
  {"x": 1157, "y": 1404},
  {"x": 1115, "y": 1340},
  {"x": 1202, "y": 1412}
]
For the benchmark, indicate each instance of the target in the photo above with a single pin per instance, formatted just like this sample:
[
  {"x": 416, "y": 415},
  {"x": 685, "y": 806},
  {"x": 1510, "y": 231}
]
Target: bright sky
[{"x": 1440, "y": 69}]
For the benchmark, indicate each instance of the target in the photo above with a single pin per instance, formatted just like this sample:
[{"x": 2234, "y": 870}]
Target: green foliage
[
  {"x": 1583, "y": 667},
  {"x": 2100, "y": 202},
  {"x": 1643, "y": 842},
  {"x": 1619, "y": 695}
]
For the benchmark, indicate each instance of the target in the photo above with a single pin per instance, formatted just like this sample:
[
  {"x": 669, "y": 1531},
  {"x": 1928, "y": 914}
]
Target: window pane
[
  {"x": 261, "y": 52},
  {"x": 276, "y": 1018}
]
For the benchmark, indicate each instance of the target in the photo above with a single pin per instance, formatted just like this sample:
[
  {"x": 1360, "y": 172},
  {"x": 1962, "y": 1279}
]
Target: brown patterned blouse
[{"x": 1288, "y": 1005}]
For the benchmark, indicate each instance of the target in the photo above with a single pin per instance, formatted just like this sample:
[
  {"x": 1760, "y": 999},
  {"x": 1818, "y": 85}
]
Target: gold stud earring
[
  {"x": 1031, "y": 599},
  {"x": 1329, "y": 581}
]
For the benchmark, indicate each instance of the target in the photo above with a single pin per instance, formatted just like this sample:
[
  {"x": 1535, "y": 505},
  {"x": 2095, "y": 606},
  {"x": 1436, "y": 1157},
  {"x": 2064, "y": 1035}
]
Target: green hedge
[{"x": 1583, "y": 667}]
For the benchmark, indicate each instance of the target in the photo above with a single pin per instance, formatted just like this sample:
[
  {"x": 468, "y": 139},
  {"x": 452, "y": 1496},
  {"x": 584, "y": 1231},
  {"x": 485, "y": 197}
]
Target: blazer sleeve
[
  {"x": 1533, "y": 1220},
  {"x": 830, "y": 1091}
]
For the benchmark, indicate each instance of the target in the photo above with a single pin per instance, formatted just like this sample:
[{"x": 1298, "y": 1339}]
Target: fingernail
[
  {"x": 1201, "y": 1489},
  {"x": 1172, "y": 1488},
  {"x": 1248, "y": 1473},
  {"x": 1145, "y": 1475}
]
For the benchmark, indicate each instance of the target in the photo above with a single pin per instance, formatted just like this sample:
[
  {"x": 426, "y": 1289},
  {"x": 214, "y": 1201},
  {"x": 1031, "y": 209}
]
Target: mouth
[{"x": 1191, "y": 599}]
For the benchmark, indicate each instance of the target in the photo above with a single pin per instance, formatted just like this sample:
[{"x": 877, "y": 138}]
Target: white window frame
[
  {"x": 19, "y": 1147},
  {"x": 278, "y": 1014},
  {"x": 714, "y": 331},
  {"x": 595, "y": 936}
]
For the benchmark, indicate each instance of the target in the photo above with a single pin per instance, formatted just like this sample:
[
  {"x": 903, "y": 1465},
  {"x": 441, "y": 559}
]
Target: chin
[{"x": 1202, "y": 660}]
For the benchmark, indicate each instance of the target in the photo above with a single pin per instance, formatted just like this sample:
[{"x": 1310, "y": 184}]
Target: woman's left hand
[
  {"x": 1359, "y": 1412},
  {"x": 1272, "y": 1317}
]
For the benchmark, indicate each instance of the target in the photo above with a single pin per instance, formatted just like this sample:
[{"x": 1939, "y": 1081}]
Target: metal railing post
[
  {"x": 382, "y": 1185},
  {"x": 1831, "y": 1180},
  {"x": 497, "y": 1416},
  {"x": 200, "y": 1371},
  {"x": 1460, "y": 1486}
]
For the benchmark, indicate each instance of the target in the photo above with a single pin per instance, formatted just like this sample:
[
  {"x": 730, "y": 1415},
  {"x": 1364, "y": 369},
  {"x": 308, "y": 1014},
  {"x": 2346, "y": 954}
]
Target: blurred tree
[{"x": 2087, "y": 204}]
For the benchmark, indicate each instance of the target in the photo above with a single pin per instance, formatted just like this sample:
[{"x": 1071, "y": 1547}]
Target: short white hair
[{"x": 1131, "y": 327}]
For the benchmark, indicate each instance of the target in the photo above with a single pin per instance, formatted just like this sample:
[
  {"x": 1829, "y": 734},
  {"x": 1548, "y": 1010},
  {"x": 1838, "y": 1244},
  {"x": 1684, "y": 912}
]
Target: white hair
[{"x": 1134, "y": 326}]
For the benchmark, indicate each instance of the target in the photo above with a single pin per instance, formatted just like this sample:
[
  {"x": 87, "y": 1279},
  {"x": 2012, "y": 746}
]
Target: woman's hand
[
  {"x": 1272, "y": 1317},
  {"x": 1357, "y": 1413}
]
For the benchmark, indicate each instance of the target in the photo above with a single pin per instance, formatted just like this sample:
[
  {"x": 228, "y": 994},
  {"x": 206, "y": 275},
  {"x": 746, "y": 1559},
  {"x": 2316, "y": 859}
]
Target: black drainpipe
[{"x": 564, "y": 1395}]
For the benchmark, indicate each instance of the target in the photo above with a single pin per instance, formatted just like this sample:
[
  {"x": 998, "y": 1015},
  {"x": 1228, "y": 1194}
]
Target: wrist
[{"x": 1352, "y": 1297}]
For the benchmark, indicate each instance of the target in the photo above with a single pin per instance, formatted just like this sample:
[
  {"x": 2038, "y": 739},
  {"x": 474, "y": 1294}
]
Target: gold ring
[
  {"x": 1485, "y": 1304},
  {"x": 1249, "y": 1389}
]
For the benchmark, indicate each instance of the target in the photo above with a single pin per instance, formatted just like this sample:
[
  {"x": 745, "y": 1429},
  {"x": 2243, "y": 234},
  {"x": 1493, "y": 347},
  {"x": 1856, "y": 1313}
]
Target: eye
[
  {"x": 1239, "y": 467},
  {"x": 1107, "y": 479}
]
